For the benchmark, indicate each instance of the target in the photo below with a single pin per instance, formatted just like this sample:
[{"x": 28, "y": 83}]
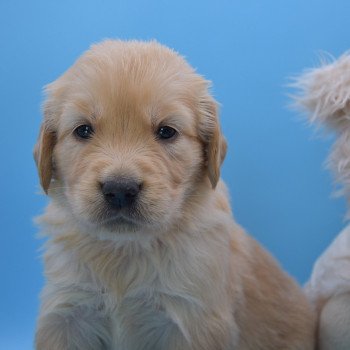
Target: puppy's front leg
[{"x": 71, "y": 321}]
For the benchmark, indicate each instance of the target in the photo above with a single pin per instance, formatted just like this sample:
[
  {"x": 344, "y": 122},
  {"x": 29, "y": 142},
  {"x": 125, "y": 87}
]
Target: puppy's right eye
[{"x": 83, "y": 131}]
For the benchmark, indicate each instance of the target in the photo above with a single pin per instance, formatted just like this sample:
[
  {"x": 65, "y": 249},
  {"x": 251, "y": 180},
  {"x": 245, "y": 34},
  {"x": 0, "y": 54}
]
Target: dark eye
[
  {"x": 84, "y": 131},
  {"x": 166, "y": 132}
]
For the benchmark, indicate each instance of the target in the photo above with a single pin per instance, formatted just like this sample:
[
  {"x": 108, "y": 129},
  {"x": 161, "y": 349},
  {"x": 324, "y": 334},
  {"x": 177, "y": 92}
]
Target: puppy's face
[{"x": 130, "y": 132}]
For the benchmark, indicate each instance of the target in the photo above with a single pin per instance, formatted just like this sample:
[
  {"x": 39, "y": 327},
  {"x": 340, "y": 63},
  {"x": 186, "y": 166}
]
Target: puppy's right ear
[
  {"x": 43, "y": 155},
  {"x": 325, "y": 93}
]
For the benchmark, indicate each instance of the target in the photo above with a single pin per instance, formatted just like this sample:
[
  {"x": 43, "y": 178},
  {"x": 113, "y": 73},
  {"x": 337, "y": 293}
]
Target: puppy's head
[
  {"x": 325, "y": 94},
  {"x": 130, "y": 132}
]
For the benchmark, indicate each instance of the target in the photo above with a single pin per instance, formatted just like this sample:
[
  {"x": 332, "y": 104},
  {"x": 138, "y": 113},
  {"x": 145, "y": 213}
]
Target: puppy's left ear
[
  {"x": 43, "y": 155},
  {"x": 214, "y": 142}
]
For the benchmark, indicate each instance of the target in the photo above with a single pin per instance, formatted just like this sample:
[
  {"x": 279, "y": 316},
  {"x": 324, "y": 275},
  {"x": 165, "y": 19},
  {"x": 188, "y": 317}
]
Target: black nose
[{"x": 120, "y": 193}]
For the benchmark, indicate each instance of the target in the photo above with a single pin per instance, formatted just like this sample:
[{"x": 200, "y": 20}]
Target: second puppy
[{"x": 325, "y": 94}]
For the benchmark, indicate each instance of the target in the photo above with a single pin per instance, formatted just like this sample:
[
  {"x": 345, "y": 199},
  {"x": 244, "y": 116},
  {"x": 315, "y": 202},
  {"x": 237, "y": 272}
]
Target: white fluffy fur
[
  {"x": 325, "y": 94},
  {"x": 331, "y": 273}
]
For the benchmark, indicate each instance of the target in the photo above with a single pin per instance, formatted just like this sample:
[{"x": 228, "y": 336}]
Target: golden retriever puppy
[{"x": 142, "y": 250}]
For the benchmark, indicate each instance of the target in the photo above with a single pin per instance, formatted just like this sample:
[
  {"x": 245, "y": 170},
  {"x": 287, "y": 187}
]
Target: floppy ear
[
  {"x": 325, "y": 93},
  {"x": 43, "y": 155},
  {"x": 214, "y": 142}
]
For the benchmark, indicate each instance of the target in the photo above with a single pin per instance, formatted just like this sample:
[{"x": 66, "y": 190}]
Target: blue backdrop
[{"x": 280, "y": 191}]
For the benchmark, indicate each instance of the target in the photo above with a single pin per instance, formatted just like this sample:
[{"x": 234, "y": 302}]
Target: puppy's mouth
[
  {"x": 120, "y": 220},
  {"x": 120, "y": 207}
]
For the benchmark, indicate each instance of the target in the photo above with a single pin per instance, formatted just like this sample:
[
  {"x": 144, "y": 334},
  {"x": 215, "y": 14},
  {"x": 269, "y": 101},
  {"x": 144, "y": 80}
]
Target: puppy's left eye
[
  {"x": 83, "y": 131},
  {"x": 166, "y": 132}
]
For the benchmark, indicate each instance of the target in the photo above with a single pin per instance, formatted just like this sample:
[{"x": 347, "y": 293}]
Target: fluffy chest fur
[{"x": 150, "y": 288}]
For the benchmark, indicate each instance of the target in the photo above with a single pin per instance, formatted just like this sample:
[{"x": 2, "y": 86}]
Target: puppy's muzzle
[{"x": 120, "y": 193}]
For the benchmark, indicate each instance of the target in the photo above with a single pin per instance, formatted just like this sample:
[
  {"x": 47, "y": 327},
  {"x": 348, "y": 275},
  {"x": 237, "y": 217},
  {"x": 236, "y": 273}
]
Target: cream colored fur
[
  {"x": 325, "y": 94},
  {"x": 177, "y": 273}
]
